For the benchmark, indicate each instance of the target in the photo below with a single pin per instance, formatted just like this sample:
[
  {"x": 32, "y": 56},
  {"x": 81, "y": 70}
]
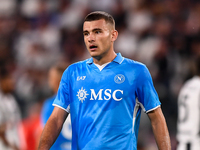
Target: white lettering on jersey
[
  {"x": 94, "y": 94},
  {"x": 107, "y": 94},
  {"x": 81, "y": 78},
  {"x": 114, "y": 95}
]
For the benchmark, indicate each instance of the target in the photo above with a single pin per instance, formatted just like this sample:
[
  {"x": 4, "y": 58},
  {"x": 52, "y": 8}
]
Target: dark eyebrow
[
  {"x": 85, "y": 31},
  {"x": 95, "y": 29}
]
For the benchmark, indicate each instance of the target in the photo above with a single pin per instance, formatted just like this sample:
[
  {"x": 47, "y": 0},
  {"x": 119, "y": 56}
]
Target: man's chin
[{"x": 95, "y": 55}]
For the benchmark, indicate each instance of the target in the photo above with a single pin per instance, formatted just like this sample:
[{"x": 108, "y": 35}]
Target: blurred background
[{"x": 36, "y": 34}]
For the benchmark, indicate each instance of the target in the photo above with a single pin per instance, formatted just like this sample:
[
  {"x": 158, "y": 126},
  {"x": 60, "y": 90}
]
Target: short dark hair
[
  {"x": 97, "y": 15},
  {"x": 4, "y": 73}
]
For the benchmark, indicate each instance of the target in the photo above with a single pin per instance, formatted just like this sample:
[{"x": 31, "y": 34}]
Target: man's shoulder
[
  {"x": 78, "y": 64},
  {"x": 75, "y": 67},
  {"x": 192, "y": 82},
  {"x": 134, "y": 63}
]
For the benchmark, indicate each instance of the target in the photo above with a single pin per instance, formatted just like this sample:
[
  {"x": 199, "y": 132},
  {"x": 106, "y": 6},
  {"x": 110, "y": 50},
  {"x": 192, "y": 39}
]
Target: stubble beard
[
  {"x": 97, "y": 57},
  {"x": 100, "y": 56}
]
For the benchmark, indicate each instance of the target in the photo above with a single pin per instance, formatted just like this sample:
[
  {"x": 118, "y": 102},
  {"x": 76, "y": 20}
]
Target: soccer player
[
  {"x": 10, "y": 115},
  {"x": 63, "y": 141},
  {"x": 188, "y": 125},
  {"x": 106, "y": 94}
]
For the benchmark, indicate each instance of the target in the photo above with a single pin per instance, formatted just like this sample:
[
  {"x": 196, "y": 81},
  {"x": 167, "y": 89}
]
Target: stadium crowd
[{"x": 36, "y": 34}]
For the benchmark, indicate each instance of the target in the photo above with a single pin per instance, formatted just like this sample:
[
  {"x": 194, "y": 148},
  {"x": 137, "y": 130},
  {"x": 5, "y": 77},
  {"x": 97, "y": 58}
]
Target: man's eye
[
  {"x": 85, "y": 34},
  {"x": 97, "y": 32}
]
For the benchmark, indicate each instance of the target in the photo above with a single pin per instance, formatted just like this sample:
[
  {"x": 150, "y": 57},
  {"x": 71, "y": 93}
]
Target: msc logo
[
  {"x": 100, "y": 95},
  {"x": 82, "y": 94}
]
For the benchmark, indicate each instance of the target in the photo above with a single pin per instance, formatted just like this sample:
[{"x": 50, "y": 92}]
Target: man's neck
[{"x": 103, "y": 60}]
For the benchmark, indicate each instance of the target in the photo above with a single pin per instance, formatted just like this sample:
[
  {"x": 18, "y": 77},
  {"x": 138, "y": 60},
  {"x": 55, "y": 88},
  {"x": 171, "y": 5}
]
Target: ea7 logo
[
  {"x": 106, "y": 94},
  {"x": 80, "y": 78}
]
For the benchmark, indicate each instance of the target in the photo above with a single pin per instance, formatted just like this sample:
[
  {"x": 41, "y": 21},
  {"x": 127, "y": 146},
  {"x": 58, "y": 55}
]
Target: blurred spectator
[
  {"x": 10, "y": 117},
  {"x": 63, "y": 141},
  {"x": 32, "y": 126},
  {"x": 189, "y": 113},
  {"x": 7, "y": 7}
]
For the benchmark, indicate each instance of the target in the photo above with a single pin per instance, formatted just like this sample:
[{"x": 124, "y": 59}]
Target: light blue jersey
[
  {"x": 105, "y": 106},
  {"x": 63, "y": 141}
]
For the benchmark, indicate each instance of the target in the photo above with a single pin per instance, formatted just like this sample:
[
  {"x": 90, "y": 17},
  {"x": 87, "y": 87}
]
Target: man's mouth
[{"x": 93, "y": 47}]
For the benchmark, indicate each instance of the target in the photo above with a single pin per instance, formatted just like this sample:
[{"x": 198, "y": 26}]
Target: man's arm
[
  {"x": 52, "y": 128},
  {"x": 160, "y": 129}
]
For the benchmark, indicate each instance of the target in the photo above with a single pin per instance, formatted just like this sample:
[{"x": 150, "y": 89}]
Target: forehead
[{"x": 96, "y": 24}]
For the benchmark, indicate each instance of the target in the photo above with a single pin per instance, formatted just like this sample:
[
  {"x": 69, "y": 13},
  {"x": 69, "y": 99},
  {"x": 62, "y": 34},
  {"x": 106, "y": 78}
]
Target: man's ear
[{"x": 114, "y": 35}]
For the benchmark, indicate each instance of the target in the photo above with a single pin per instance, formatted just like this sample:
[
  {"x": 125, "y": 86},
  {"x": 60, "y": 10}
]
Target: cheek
[
  {"x": 84, "y": 40},
  {"x": 106, "y": 42},
  {"x": 86, "y": 43},
  {"x": 50, "y": 82}
]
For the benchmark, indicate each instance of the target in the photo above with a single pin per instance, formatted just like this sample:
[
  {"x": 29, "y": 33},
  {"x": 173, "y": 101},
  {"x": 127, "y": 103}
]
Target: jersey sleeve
[
  {"x": 62, "y": 98},
  {"x": 46, "y": 111},
  {"x": 146, "y": 93}
]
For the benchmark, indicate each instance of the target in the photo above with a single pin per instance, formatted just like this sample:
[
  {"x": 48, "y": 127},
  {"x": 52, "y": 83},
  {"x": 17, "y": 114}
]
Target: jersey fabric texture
[
  {"x": 188, "y": 125},
  {"x": 105, "y": 106},
  {"x": 63, "y": 141}
]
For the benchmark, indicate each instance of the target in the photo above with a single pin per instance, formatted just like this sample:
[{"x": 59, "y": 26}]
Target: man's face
[
  {"x": 54, "y": 79},
  {"x": 98, "y": 37},
  {"x": 7, "y": 84}
]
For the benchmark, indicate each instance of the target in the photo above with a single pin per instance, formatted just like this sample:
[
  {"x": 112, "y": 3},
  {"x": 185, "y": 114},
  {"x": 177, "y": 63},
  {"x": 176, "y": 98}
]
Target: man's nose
[{"x": 91, "y": 38}]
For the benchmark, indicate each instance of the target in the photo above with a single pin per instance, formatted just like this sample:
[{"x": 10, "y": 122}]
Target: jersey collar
[{"x": 118, "y": 59}]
